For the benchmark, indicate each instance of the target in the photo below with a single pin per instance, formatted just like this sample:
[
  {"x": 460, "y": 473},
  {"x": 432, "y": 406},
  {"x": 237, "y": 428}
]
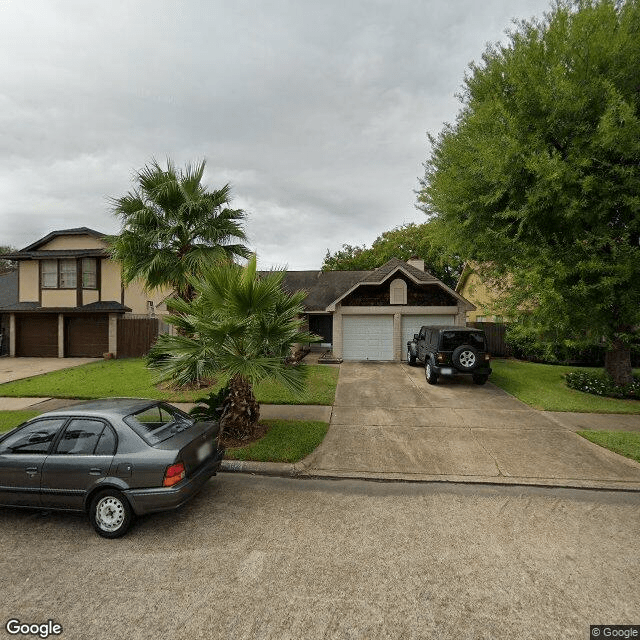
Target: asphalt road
[{"x": 272, "y": 558}]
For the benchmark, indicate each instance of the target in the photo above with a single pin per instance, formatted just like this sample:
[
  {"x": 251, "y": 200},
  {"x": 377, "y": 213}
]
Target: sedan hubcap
[
  {"x": 467, "y": 359},
  {"x": 110, "y": 513}
]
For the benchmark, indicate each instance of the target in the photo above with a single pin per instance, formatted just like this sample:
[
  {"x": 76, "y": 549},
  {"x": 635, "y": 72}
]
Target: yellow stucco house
[
  {"x": 72, "y": 301},
  {"x": 483, "y": 295}
]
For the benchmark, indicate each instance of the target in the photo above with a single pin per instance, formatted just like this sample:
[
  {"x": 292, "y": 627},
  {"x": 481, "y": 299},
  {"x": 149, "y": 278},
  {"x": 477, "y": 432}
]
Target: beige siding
[
  {"x": 110, "y": 280},
  {"x": 59, "y": 298},
  {"x": 89, "y": 296},
  {"x": 136, "y": 297},
  {"x": 29, "y": 280},
  {"x": 73, "y": 242}
]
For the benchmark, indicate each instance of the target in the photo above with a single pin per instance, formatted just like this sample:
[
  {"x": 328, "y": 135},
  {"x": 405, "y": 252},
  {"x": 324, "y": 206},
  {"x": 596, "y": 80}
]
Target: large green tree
[
  {"x": 238, "y": 329},
  {"x": 410, "y": 240},
  {"x": 173, "y": 227},
  {"x": 539, "y": 176}
]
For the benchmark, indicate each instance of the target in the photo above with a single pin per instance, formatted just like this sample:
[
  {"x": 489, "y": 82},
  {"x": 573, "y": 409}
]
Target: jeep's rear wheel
[
  {"x": 480, "y": 378},
  {"x": 430, "y": 374},
  {"x": 465, "y": 358}
]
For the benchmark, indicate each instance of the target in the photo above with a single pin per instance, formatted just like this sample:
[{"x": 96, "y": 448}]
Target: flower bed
[{"x": 601, "y": 384}]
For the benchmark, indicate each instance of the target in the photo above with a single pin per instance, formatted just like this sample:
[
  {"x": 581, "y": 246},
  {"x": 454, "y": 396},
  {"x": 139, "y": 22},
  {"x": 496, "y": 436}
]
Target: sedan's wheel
[
  {"x": 110, "y": 514},
  {"x": 465, "y": 358},
  {"x": 430, "y": 374}
]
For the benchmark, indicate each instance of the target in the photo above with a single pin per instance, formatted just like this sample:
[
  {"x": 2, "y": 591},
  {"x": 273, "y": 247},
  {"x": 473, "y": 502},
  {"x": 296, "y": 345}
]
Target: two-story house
[{"x": 71, "y": 296}]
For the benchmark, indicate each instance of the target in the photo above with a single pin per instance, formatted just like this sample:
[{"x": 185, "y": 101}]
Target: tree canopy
[
  {"x": 7, "y": 265},
  {"x": 407, "y": 241},
  {"x": 173, "y": 227},
  {"x": 539, "y": 176}
]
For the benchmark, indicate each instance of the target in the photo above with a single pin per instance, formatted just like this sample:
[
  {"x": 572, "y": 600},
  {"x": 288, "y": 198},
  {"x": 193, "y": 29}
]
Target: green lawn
[
  {"x": 626, "y": 443},
  {"x": 286, "y": 441},
  {"x": 542, "y": 386},
  {"x": 130, "y": 378},
  {"x": 10, "y": 419}
]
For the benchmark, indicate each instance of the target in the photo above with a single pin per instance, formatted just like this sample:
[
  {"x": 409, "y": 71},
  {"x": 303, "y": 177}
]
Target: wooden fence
[
  {"x": 495, "y": 332},
  {"x": 136, "y": 336}
]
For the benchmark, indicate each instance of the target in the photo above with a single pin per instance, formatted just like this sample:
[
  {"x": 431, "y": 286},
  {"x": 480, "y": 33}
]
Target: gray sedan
[{"x": 115, "y": 459}]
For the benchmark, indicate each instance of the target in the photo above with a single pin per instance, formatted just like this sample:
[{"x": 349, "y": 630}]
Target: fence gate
[
  {"x": 136, "y": 336},
  {"x": 495, "y": 332}
]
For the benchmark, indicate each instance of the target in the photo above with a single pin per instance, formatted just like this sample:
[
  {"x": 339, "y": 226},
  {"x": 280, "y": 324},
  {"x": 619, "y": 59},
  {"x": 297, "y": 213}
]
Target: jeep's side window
[{"x": 421, "y": 335}]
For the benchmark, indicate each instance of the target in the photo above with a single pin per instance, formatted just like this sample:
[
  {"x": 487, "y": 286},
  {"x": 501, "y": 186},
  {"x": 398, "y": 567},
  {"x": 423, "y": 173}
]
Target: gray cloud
[{"x": 317, "y": 113}]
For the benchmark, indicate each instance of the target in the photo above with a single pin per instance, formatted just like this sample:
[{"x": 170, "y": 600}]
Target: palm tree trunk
[{"x": 241, "y": 411}]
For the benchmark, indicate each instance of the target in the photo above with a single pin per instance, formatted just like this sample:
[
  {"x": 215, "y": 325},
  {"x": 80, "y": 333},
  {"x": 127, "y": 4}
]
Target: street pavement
[{"x": 273, "y": 559}]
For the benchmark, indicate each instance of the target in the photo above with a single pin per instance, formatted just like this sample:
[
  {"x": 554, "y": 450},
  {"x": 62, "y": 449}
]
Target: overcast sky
[{"x": 317, "y": 113}]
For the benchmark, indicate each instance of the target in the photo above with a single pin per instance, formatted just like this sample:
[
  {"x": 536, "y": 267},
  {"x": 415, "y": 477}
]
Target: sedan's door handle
[
  {"x": 95, "y": 471},
  {"x": 32, "y": 471}
]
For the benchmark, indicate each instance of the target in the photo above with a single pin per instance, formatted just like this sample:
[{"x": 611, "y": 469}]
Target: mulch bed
[{"x": 233, "y": 443}]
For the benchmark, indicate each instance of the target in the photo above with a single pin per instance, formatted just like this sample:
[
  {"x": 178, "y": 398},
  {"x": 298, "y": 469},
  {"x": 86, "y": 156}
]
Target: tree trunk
[
  {"x": 241, "y": 412},
  {"x": 617, "y": 363}
]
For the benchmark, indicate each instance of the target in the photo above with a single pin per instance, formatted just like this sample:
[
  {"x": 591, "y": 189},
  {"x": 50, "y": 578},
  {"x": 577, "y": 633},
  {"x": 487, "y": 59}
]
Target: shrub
[{"x": 600, "y": 383}]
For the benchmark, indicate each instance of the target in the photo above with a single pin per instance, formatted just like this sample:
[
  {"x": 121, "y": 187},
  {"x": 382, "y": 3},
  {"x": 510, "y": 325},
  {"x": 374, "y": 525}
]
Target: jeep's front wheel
[
  {"x": 411, "y": 359},
  {"x": 430, "y": 374}
]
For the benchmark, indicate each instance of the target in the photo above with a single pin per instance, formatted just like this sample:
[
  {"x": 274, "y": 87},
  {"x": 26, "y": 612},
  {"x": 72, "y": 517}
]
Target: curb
[{"x": 299, "y": 471}]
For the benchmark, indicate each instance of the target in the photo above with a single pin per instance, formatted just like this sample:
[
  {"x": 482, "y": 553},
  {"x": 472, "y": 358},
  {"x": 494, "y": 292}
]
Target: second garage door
[
  {"x": 412, "y": 324},
  {"x": 367, "y": 337},
  {"x": 86, "y": 336}
]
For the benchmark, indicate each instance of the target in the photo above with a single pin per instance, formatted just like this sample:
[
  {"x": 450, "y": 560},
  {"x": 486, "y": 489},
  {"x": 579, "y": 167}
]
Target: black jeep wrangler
[{"x": 449, "y": 351}]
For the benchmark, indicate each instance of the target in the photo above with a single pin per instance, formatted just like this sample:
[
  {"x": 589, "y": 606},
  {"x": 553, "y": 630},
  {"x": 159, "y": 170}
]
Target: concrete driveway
[
  {"x": 17, "y": 368},
  {"x": 387, "y": 422}
]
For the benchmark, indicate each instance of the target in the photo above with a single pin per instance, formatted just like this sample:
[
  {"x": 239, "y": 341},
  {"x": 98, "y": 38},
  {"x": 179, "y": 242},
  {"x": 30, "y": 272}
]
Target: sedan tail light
[{"x": 173, "y": 474}]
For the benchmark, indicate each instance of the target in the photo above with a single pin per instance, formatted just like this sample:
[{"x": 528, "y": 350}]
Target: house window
[
  {"x": 398, "y": 292},
  {"x": 49, "y": 274},
  {"x": 68, "y": 274},
  {"x": 89, "y": 273}
]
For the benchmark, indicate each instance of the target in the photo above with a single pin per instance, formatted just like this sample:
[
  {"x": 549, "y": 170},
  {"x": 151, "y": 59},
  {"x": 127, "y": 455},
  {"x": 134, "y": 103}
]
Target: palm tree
[
  {"x": 239, "y": 328},
  {"x": 173, "y": 227}
]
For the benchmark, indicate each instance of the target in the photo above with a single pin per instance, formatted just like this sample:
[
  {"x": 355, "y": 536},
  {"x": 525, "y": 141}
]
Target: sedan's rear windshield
[
  {"x": 451, "y": 340},
  {"x": 158, "y": 422}
]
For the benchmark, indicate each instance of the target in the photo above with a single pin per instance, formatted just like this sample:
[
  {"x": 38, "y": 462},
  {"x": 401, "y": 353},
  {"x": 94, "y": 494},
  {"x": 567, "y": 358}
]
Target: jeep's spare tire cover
[{"x": 465, "y": 358}]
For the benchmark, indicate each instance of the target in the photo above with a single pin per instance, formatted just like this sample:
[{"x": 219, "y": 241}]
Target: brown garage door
[
  {"x": 37, "y": 336},
  {"x": 86, "y": 336}
]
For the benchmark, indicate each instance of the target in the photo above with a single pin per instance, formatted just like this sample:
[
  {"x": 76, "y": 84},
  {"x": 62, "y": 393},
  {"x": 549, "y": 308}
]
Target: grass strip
[
  {"x": 543, "y": 387},
  {"x": 285, "y": 441},
  {"x": 130, "y": 378},
  {"x": 626, "y": 443}
]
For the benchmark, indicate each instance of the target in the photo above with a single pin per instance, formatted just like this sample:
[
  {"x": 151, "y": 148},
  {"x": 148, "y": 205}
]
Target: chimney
[{"x": 416, "y": 262}]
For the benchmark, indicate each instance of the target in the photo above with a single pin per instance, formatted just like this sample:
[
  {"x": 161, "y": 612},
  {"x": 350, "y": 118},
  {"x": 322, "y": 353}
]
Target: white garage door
[
  {"x": 412, "y": 324},
  {"x": 367, "y": 337}
]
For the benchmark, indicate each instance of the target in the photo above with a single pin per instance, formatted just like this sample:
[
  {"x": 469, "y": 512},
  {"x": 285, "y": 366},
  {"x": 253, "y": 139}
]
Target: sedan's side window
[
  {"x": 33, "y": 438},
  {"x": 81, "y": 437}
]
